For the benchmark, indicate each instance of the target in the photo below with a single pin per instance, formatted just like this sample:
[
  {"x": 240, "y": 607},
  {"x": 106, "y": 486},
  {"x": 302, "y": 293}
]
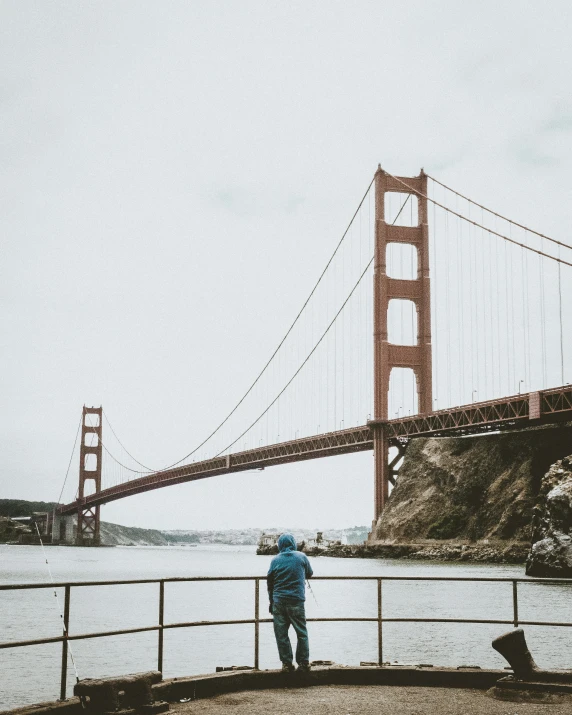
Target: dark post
[
  {"x": 379, "y": 625},
  {"x": 515, "y": 604},
  {"x": 160, "y": 632},
  {"x": 256, "y": 622},
  {"x": 64, "y": 676}
]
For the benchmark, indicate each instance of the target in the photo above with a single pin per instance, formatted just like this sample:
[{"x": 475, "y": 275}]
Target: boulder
[{"x": 551, "y": 551}]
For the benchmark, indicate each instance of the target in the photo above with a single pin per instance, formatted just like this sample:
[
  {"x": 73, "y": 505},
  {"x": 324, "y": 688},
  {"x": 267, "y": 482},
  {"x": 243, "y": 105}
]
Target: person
[{"x": 287, "y": 593}]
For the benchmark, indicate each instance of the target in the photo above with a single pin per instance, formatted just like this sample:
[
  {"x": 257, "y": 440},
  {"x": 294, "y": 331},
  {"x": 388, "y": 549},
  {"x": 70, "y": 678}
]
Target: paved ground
[{"x": 370, "y": 700}]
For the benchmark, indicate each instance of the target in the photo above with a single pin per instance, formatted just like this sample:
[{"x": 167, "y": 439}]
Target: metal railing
[{"x": 161, "y": 626}]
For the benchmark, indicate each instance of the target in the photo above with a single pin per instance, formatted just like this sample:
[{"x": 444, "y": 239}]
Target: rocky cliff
[
  {"x": 477, "y": 492},
  {"x": 551, "y": 552}
]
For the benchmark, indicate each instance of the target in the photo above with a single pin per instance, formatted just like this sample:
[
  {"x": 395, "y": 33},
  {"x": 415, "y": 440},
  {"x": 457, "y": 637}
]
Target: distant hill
[
  {"x": 119, "y": 535},
  {"x": 19, "y": 507}
]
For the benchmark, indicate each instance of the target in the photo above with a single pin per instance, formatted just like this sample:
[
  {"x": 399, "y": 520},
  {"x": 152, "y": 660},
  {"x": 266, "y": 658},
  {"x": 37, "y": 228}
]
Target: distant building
[{"x": 268, "y": 540}]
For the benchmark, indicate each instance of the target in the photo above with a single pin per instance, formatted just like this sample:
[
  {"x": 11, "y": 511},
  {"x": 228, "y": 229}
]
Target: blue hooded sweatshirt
[{"x": 288, "y": 572}]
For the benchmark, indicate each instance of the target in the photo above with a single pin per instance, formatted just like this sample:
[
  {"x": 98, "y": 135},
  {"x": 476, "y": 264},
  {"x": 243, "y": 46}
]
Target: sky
[{"x": 174, "y": 177}]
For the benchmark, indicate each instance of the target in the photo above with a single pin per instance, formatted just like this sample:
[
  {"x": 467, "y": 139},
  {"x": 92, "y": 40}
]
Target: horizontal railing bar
[
  {"x": 174, "y": 579},
  {"x": 196, "y": 624},
  {"x": 37, "y": 641},
  {"x": 499, "y": 579},
  {"x": 448, "y": 620},
  {"x": 543, "y": 623},
  {"x": 191, "y": 579},
  {"x": 78, "y": 637},
  {"x": 83, "y": 636}
]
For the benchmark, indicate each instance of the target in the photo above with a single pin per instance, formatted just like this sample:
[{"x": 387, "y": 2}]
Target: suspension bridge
[{"x": 433, "y": 316}]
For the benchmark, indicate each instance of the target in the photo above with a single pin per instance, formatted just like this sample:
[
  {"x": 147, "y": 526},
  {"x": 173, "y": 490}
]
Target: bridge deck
[{"x": 531, "y": 409}]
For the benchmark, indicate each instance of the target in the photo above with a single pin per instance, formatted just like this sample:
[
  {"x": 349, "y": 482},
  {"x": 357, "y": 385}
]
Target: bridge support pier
[
  {"x": 89, "y": 469},
  {"x": 387, "y": 355},
  {"x": 381, "y": 467},
  {"x": 64, "y": 529}
]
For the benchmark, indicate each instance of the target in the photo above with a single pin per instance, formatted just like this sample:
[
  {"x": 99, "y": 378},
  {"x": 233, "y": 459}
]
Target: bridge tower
[
  {"x": 89, "y": 469},
  {"x": 387, "y": 355}
]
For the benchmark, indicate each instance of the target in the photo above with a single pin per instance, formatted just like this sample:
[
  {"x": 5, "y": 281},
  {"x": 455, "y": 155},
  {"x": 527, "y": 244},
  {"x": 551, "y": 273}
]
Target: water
[{"x": 32, "y": 674}]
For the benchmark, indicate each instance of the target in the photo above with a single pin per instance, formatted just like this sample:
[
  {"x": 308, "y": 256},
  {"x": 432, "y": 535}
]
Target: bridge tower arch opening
[
  {"x": 88, "y": 527},
  {"x": 403, "y": 399},
  {"x": 393, "y": 227}
]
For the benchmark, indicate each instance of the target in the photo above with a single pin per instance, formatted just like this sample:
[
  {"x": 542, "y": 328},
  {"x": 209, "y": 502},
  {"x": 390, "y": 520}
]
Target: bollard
[
  {"x": 125, "y": 692},
  {"x": 512, "y": 646}
]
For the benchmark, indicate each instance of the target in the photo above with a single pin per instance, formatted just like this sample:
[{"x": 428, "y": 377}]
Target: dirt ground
[{"x": 371, "y": 700}]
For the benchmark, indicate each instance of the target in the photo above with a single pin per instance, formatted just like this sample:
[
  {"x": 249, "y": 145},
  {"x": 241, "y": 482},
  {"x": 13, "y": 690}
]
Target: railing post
[
  {"x": 256, "y": 622},
  {"x": 514, "y": 604},
  {"x": 379, "y": 625},
  {"x": 160, "y": 632},
  {"x": 64, "y": 673}
]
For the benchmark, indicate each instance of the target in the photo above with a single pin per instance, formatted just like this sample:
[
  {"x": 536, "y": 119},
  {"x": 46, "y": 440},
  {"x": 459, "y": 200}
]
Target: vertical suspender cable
[
  {"x": 542, "y": 315},
  {"x": 560, "y": 316},
  {"x": 435, "y": 284},
  {"x": 448, "y": 308},
  {"x": 460, "y": 314},
  {"x": 509, "y": 317},
  {"x": 498, "y": 312}
]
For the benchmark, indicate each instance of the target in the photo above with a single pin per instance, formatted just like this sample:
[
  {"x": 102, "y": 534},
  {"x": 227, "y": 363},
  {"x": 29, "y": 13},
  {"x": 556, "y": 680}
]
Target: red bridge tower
[
  {"x": 89, "y": 469},
  {"x": 387, "y": 355}
]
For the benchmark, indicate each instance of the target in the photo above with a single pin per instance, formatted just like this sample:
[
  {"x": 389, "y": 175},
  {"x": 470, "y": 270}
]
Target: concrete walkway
[{"x": 370, "y": 700}]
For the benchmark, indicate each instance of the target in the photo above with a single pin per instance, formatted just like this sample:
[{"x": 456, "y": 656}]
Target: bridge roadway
[{"x": 517, "y": 411}]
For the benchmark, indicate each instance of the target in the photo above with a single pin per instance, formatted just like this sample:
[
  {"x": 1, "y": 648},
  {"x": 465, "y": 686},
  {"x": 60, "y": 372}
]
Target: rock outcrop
[
  {"x": 478, "y": 492},
  {"x": 551, "y": 551}
]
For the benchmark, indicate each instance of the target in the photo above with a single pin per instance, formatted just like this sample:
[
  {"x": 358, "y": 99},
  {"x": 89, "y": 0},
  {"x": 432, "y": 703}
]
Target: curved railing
[{"x": 256, "y": 620}]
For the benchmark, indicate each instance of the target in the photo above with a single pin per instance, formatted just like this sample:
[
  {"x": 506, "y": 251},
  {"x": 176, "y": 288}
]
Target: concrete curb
[
  {"x": 197, "y": 687},
  {"x": 204, "y": 686}
]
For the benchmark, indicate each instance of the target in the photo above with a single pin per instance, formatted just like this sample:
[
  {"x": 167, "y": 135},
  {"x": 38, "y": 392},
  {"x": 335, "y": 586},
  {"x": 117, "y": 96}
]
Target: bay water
[{"x": 32, "y": 674}]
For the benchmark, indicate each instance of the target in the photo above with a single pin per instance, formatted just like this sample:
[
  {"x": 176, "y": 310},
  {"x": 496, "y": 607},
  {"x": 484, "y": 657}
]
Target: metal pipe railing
[{"x": 161, "y": 626}]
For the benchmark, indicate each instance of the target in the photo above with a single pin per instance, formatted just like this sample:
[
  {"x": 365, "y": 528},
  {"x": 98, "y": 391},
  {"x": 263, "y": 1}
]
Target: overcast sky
[{"x": 174, "y": 177}]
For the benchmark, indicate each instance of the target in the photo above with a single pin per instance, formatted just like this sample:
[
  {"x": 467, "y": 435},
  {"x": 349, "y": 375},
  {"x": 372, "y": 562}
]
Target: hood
[{"x": 286, "y": 543}]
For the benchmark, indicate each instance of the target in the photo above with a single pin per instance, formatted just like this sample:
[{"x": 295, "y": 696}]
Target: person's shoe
[
  {"x": 304, "y": 667},
  {"x": 288, "y": 667}
]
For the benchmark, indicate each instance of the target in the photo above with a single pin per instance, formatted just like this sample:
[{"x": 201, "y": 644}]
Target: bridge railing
[{"x": 256, "y": 620}]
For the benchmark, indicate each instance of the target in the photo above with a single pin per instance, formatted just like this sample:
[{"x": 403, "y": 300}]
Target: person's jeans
[{"x": 285, "y": 615}]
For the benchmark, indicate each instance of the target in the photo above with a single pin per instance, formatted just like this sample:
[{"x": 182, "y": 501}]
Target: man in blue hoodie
[{"x": 287, "y": 593}]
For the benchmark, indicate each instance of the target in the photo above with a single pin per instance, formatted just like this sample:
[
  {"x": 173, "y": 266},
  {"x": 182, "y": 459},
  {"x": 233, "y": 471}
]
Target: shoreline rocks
[
  {"x": 511, "y": 553},
  {"x": 494, "y": 553}
]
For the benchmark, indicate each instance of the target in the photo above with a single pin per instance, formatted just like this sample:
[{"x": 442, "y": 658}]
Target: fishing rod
[
  {"x": 312, "y": 592},
  {"x": 58, "y": 602}
]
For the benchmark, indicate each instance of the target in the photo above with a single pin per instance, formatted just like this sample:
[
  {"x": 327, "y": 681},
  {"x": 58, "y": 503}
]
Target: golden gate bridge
[{"x": 433, "y": 316}]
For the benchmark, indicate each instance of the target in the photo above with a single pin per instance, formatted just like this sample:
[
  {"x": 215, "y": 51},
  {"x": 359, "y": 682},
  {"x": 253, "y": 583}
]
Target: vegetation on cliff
[{"x": 20, "y": 507}]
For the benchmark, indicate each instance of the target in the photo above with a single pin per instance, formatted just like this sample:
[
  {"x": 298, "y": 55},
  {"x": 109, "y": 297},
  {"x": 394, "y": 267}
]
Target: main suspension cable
[
  {"x": 71, "y": 457},
  {"x": 313, "y": 350},
  {"x": 281, "y": 343},
  {"x": 326, "y": 331},
  {"x": 149, "y": 469},
  {"x": 494, "y": 213},
  {"x": 489, "y": 230}
]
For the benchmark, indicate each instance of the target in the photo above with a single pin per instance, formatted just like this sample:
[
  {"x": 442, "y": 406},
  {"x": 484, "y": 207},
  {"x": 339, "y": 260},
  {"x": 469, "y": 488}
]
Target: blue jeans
[{"x": 286, "y": 615}]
